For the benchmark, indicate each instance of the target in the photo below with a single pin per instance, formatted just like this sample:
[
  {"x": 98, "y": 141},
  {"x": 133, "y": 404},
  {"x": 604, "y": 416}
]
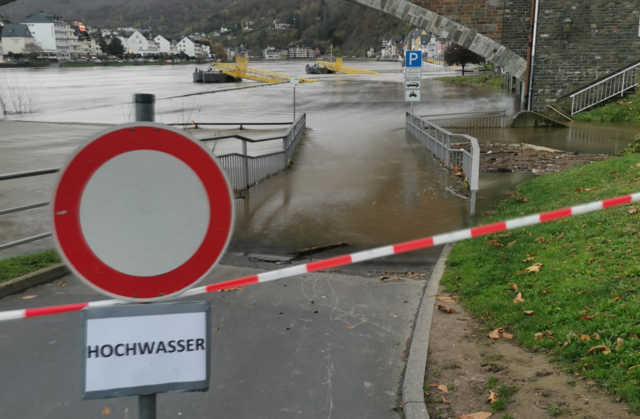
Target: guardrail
[
  {"x": 490, "y": 119},
  {"x": 242, "y": 170},
  {"x": 438, "y": 141},
  {"x": 614, "y": 85}
]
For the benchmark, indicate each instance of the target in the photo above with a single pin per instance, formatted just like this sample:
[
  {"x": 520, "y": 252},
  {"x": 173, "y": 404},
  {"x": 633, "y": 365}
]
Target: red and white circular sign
[{"x": 142, "y": 212}]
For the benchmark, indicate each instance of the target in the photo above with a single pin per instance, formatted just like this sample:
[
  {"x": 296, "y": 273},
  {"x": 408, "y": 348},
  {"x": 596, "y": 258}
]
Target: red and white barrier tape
[{"x": 352, "y": 258}]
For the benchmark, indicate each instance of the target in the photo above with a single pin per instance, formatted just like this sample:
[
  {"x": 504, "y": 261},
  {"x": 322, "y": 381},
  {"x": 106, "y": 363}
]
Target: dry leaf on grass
[
  {"x": 605, "y": 349},
  {"x": 29, "y": 297},
  {"x": 518, "y": 299},
  {"x": 493, "y": 397},
  {"x": 539, "y": 336},
  {"x": 522, "y": 200},
  {"x": 105, "y": 411},
  {"x": 617, "y": 298},
  {"x": 585, "y": 337},
  {"x": 511, "y": 244},
  {"x": 443, "y": 388},
  {"x": 528, "y": 312},
  {"x": 477, "y": 415},
  {"x": 507, "y": 336},
  {"x": 535, "y": 268},
  {"x": 529, "y": 259},
  {"x": 446, "y": 309},
  {"x": 619, "y": 342},
  {"x": 632, "y": 211},
  {"x": 593, "y": 316},
  {"x": 447, "y": 299},
  {"x": 514, "y": 286},
  {"x": 634, "y": 367},
  {"x": 496, "y": 333}
]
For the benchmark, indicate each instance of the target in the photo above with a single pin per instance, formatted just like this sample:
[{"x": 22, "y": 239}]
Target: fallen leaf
[
  {"x": 507, "y": 335},
  {"x": 529, "y": 259},
  {"x": 522, "y": 200},
  {"x": 585, "y": 337},
  {"x": 477, "y": 415},
  {"x": 535, "y": 268},
  {"x": 514, "y": 286},
  {"x": 619, "y": 342},
  {"x": 539, "y": 336},
  {"x": 350, "y": 327},
  {"x": 493, "y": 397},
  {"x": 617, "y": 298},
  {"x": 511, "y": 244},
  {"x": 589, "y": 317},
  {"x": 443, "y": 388},
  {"x": 634, "y": 367},
  {"x": 105, "y": 411},
  {"x": 29, "y": 297},
  {"x": 496, "y": 333},
  {"x": 605, "y": 350},
  {"x": 528, "y": 312},
  {"x": 518, "y": 299},
  {"x": 382, "y": 278},
  {"x": 628, "y": 251},
  {"x": 632, "y": 211},
  {"x": 62, "y": 284},
  {"x": 495, "y": 243},
  {"x": 446, "y": 309},
  {"x": 596, "y": 336},
  {"x": 447, "y": 299},
  {"x": 635, "y": 165},
  {"x": 444, "y": 400}
]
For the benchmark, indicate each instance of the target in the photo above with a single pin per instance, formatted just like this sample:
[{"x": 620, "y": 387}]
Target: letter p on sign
[{"x": 413, "y": 59}]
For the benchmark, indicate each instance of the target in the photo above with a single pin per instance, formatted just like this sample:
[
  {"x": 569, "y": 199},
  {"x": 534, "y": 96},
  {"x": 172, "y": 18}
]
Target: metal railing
[
  {"x": 242, "y": 170},
  {"x": 490, "y": 119},
  {"x": 438, "y": 141},
  {"x": 614, "y": 85},
  {"x": 435, "y": 68}
]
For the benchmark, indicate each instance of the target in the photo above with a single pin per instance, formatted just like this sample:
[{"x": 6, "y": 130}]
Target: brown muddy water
[{"x": 358, "y": 176}]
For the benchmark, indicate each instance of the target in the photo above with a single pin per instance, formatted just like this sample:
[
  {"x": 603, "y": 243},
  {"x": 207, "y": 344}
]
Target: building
[
  {"x": 88, "y": 46},
  {"x": 53, "y": 35},
  {"x": 303, "y": 51},
  {"x": 280, "y": 25},
  {"x": 271, "y": 53},
  {"x": 165, "y": 46},
  {"x": 138, "y": 44},
  {"x": 191, "y": 47},
  {"x": 16, "y": 39}
]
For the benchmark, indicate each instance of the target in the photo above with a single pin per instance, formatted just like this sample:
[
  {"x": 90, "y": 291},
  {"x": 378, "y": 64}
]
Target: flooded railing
[
  {"x": 438, "y": 141},
  {"x": 242, "y": 170},
  {"x": 614, "y": 85},
  {"x": 490, "y": 119}
]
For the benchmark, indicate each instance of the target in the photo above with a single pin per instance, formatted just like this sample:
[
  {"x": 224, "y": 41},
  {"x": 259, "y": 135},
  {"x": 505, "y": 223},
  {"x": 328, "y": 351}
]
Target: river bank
[{"x": 567, "y": 288}]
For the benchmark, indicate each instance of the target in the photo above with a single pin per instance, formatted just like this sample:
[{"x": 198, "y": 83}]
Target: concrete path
[{"x": 315, "y": 346}]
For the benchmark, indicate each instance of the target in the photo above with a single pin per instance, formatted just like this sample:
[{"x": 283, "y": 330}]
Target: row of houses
[
  {"x": 49, "y": 36},
  {"x": 297, "y": 51}
]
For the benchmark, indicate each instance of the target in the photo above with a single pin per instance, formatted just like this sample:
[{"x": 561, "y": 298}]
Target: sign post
[
  {"x": 294, "y": 81},
  {"x": 412, "y": 76},
  {"x": 142, "y": 213}
]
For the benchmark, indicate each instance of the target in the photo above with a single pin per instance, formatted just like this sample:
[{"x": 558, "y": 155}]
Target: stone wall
[
  {"x": 484, "y": 16},
  {"x": 603, "y": 38},
  {"x": 516, "y": 26}
]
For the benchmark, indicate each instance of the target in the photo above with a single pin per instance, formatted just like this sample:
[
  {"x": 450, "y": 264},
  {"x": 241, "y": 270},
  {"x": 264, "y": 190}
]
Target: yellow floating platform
[
  {"x": 338, "y": 67},
  {"x": 240, "y": 69}
]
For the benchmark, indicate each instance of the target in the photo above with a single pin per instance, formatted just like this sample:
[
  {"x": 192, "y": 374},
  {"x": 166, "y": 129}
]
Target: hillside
[{"x": 350, "y": 28}]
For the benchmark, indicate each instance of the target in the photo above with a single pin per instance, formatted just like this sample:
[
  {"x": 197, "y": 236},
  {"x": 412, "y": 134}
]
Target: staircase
[{"x": 610, "y": 86}]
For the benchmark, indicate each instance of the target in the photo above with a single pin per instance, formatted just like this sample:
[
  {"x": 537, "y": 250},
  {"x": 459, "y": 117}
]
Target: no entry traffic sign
[{"x": 142, "y": 212}]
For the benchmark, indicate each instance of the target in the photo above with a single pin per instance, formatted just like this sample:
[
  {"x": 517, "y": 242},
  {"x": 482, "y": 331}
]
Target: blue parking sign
[{"x": 413, "y": 59}]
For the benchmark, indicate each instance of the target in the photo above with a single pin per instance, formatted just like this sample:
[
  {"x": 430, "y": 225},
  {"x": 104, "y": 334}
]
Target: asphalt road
[{"x": 316, "y": 346}]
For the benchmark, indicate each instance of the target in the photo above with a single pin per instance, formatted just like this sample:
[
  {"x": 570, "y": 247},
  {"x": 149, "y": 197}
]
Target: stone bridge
[
  {"x": 472, "y": 30},
  {"x": 602, "y": 36}
]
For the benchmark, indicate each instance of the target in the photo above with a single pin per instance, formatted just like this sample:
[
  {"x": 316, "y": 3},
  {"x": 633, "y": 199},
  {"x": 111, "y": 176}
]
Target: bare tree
[{"x": 19, "y": 96}]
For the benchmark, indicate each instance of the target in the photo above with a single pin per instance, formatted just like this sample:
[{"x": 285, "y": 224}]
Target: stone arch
[{"x": 446, "y": 28}]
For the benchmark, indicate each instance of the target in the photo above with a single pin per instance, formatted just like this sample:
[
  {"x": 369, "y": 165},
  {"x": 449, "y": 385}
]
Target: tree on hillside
[{"x": 457, "y": 55}]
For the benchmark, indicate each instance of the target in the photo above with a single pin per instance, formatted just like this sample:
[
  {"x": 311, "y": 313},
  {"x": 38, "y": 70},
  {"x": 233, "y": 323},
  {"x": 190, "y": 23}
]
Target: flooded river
[{"x": 358, "y": 176}]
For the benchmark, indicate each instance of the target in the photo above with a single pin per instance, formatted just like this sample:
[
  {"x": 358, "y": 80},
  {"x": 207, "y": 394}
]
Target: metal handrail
[
  {"x": 32, "y": 173},
  {"x": 611, "y": 86},
  {"x": 470, "y": 117}
]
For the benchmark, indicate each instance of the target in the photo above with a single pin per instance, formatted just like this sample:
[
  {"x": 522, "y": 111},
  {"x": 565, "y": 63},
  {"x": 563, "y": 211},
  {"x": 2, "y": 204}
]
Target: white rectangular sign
[
  {"x": 412, "y": 84},
  {"x": 295, "y": 80},
  {"x": 412, "y": 95},
  {"x": 412, "y": 73},
  {"x": 146, "y": 349}
]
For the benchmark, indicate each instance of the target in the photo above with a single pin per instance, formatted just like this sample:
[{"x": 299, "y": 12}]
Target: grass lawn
[
  {"x": 625, "y": 109},
  {"x": 489, "y": 80},
  {"x": 582, "y": 307},
  {"x": 22, "y": 265}
]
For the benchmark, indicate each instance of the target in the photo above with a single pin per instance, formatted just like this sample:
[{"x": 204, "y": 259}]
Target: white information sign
[
  {"x": 412, "y": 95},
  {"x": 412, "y": 84},
  {"x": 146, "y": 349},
  {"x": 412, "y": 73},
  {"x": 295, "y": 80}
]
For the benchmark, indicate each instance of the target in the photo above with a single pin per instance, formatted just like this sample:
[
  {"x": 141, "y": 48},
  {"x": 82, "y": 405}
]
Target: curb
[
  {"x": 42, "y": 276},
  {"x": 413, "y": 403}
]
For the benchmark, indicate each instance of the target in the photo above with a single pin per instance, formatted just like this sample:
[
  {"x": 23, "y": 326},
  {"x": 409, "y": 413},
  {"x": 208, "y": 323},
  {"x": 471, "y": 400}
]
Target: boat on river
[
  {"x": 316, "y": 69},
  {"x": 210, "y": 76}
]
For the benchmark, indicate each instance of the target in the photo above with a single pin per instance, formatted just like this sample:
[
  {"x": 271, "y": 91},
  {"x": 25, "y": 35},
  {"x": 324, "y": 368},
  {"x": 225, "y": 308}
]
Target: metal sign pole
[
  {"x": 294, "y": 103},
  {"x": 145, "y": 111}
]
